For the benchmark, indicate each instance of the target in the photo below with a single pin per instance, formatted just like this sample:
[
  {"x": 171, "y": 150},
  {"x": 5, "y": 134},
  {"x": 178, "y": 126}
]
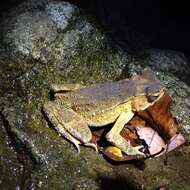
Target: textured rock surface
[
  {"x": 167, "y": 61},
  {"x": 54, "y": 42}
]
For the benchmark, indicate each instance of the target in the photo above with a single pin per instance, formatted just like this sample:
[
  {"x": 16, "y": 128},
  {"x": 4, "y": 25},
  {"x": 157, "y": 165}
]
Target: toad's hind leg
[
  {"x": 69, "y": 124},
  {"x": 115, "y": 138}
]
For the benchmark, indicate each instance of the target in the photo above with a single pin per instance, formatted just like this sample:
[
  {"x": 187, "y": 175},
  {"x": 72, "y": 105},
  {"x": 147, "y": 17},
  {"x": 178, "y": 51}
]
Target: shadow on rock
[{"x": 118, "y": 183}]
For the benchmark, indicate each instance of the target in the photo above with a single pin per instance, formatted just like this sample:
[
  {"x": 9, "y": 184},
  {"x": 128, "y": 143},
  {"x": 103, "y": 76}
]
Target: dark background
[{"x": 135, "y": 25}]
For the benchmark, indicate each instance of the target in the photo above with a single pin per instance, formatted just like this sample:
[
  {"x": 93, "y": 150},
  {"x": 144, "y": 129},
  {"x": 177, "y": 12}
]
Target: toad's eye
[
  {"x": 152, "y": 93},
  {"x": 152, "y": 97}
]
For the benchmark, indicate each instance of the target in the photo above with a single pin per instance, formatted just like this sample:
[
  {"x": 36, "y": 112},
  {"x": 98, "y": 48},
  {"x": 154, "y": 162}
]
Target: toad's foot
[
  {"x": 134, "y": 150},
  {"x": 116, "y": 139},
  {"x": 126, "y": 146},
  {"x": 92, "y": 145}
]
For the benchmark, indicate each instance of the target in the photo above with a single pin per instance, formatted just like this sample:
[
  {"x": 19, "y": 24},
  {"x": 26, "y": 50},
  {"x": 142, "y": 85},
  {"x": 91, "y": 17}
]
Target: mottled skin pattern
[{"x": 75, "y": 108}]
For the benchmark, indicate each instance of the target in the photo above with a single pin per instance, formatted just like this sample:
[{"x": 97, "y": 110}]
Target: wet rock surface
[{"x": 55, "y": 42}]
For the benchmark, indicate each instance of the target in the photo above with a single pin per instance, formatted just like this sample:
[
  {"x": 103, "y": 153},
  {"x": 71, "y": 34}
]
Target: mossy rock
[{"x": 70, "y": 49}]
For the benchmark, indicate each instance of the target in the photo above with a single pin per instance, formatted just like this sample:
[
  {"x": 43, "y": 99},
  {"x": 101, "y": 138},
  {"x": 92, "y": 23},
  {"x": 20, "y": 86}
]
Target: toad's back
[
  {"x": 101, "y": 96},
  {"x": 102, "y": 103},
  {"x": 106, "y": 95}
]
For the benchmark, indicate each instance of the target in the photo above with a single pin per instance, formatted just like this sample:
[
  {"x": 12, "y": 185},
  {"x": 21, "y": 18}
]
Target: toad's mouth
[{"x": 155, "y": 128}]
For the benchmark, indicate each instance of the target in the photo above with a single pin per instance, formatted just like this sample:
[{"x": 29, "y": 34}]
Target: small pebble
[{"x": 187, "y": 128}]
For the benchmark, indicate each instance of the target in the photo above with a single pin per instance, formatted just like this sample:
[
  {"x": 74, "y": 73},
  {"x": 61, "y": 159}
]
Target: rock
[
  {"x": 60, "y": 36},
  {"x": 167, "y": 61},
  {"x": 9, "y": 163},
  {"x": 187, "y": 128},
  {"x": 55, "y": 42}
]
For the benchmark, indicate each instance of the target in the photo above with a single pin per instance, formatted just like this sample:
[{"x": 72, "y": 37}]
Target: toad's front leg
[
  {"x": 69, "y": 124},
  {"x": 116, "y": 139}
]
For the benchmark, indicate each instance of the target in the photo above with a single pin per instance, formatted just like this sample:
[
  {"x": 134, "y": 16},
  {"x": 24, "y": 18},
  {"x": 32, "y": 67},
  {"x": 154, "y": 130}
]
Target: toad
[{"x": 76, "y": 108}]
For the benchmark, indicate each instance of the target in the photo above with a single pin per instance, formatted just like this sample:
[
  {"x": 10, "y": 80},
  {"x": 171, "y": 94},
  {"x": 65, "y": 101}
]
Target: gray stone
[{"x": 167, "y": 61}]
